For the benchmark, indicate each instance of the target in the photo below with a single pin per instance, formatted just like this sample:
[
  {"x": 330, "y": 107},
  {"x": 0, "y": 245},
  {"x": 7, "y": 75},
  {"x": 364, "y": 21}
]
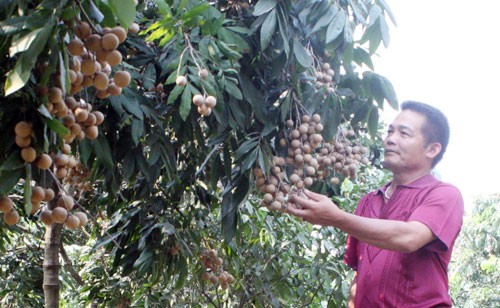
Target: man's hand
[{"x": 314, "y": 208}]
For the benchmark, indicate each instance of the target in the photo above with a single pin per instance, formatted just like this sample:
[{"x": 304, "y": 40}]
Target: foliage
[
  {"x": 475, "y": 267},
  {"x": 163, "y": 174}
]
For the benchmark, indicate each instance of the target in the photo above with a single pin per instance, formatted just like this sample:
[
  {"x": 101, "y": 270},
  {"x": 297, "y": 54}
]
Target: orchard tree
[
  {"x": 475, "y": 268},
  {"x": 160, "y": 122}
]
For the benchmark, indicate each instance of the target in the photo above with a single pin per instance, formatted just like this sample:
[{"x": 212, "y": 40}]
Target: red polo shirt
[{"x": 394, "y": 279}]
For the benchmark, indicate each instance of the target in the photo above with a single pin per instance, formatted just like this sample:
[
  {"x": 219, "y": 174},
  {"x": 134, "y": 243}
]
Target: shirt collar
[{"x": 418, "y": 183}]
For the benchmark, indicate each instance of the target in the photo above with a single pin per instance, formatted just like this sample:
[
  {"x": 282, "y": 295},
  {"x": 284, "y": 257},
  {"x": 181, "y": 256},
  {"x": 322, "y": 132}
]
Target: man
[{"x": 401, "y": 236}]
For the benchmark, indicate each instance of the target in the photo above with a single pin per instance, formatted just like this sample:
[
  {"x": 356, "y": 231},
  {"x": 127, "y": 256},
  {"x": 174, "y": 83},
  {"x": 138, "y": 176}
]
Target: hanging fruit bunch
[
  {"x": 214, "y": 272},
  {"x": 309, "y": 159}
]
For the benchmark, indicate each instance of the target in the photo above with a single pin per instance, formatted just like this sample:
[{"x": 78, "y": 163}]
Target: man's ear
[{"x": 433, "y": 150}]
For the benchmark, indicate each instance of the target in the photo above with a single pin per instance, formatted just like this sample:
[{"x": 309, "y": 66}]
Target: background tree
[
  {"x": 475, "y": 270},
  {"x": 211, "y": 90}
]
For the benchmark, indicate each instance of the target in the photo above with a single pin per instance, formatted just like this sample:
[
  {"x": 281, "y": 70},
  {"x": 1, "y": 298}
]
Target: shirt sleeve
[{"x": 442, "y": 211}]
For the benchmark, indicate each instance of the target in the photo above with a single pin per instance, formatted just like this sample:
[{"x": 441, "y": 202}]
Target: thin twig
[{"x": 68, "y": 265}]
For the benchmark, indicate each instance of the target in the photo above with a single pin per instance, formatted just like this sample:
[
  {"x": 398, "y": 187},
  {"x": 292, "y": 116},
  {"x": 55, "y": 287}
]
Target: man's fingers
[
  {"x": 312, "y": 195},
  {"x": 303, "y": 202}
]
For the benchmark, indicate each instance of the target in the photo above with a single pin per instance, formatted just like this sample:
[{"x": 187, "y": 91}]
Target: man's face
[{"x": 404, "y": 145}]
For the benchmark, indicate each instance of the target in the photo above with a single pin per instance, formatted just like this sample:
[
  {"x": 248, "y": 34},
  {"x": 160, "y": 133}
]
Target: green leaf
[
  {"x": 137, "y": 130},
  {"x": 9, "y": 179},
  {"x": 17, "y": 78},
  {"x": 22, "y": 43},
  {"x": 27, "y": 189},
  {"x": 185, "y": 107},
  {"x": 384, "y": 30},
  {"x": 13, "y": 162},
  {"x": 132, "y": 106},
  {"x": 233, "y": 90},
  {"x": 325, "y": 19},
  {"x": 174, "y": 94},
  {"x": 56, "y": 126},
  {"x": 373, "y": 121},
  {"x": 103, "y": 151},
  {"x": 267, "y": 30},
  {"x": 264, "y": 6},
  {"x": 301, "y": 54},
  {"x": 336, "y": 26},
  {"x": 124, "y": 10},
  {"x": 228, "y": 213}
]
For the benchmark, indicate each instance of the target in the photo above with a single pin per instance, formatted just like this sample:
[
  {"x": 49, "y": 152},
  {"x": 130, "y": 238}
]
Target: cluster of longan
[
  {"x": 324, "y": 76},
  {"x": 214, "y": 272},
  {"x": 93, "y": 56},
  {"x": 61, "y": 214},
  {"x": 312, "y": 160},
  {"x": 204, "y": 102},
  {"x": 81, "y": 121},
  {"x": 10, "y": 214}
]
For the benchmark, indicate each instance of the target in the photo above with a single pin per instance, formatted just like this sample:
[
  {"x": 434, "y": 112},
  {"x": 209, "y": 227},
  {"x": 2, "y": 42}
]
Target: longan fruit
[
  {"x": 59, "y": 215},
  {"x": 122, "y": 78},
  {"x": 11, "y": 218},
  {"x": 61, "y": 172},
  {"x": 203, "y": 73},
  {"x": 49, "y": 194},
  {"x": 76, "y": 47},
  {"x": 110, "y": 41},
  {"x": 91, "y": 132},
  {"x": 81, "y": 114},
  {"x": 181, "y": 81},
  {"x": 94, "y": 42},
  {"x": 37, "y": 194},
  {"x": 88, "y": 69},
  {"x": 134, "y": 28},
  {"x": 72, "y": 222},
  {"x": 66, "y": 202},
  {"x": 46, "y": 217},
  {"x": 69, "y": 120},
  {"x": 72, "y": 76},
  {"x": 102, "y": 94},
  {"x": 113, "y": 89},
  {"x": 120, "y": 33},
  {"x": 83, "y": 30},
  {"x": 211, "y": 101},
  {"x": 35, "y": 206},
  {"x": 99, "y": 117},
  {"x": 102, "y": 56},
  {"x": 101, "y": 81},
  {"x": 198, "y": 100},
  {"x": 55, "y": 95},
  {"x": 28, "y": 154},
  {"x": 6, "y": 204},
  {"x": 76, "y": 129},
  {"x": 44, "y": 161},
  {"x": 23, "y": 129},
  {"x": 91, "y": 120},
  {"x": 23, "y": 142},
  {"x": 83, "y": 218},
  {"x": 61, "y": 160},
  {"x": 114, "y": 58}
]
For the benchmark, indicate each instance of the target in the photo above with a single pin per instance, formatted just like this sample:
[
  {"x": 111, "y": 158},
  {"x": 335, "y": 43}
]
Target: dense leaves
[{"x": 164, "y": 176}]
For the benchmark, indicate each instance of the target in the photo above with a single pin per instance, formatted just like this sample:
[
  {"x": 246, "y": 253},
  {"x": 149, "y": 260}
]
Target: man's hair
[{"x": 435, "y": 129}]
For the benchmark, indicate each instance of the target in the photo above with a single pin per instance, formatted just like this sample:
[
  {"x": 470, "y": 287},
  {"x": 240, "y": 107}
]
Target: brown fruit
[
  {"x": 114, "y": 58},
  {"x": 59, "y": 215},
  {"x": 11, "y": 218},
  {"x": 91, "y": 120},
  {"x": 120, "y": 33},
  {"x": 99, "y": 117},
  {"x": 61, "y": 160},
  {"x": 334, "y": 181},
  {"x": 66, "y": 202},
  {"x": 23, "y": 142},
  {"x": 35, "y": 206},
  {"x": 94, "y": 42},
  {"x": 55, "y": 95},
  {"x": 28, "y": 154},
  {"x": 69, "y": 120},
  {"x": 122, "y": 78},
  {"x": 37, "y": 194},
  {"x": 102, "y": 56},
  {"x": 110, "y": 41},
  {"x": 181, "y": 81},
  {"x": 49, "y": 194},
  {"x": 61, "y": 172},
  {"x": 114, "y": 90},
  {"x": 83, "y": 218},
  {"x": 134, "y": 28},
  {"x": 211, "y": 101},
  {"x": 76, "y": 47},
  {"x": 6, "y": 204},
  {"x": 76, "y": 129},
  {"x": 81, "y": 114},
  {"x": 72, "y": 222},
  {"x": 198, "y": 100},
  {"x": 101, "y": 81},
  {"x": 102, "y": 94},
  {"x": 88, "y": 69},
  {"x": 203, "y": 73},
  {"x": 23, "y": 129},
  {"x": 46, "y": 217},
  {"x": 72, "y": 76},
  {"x": 91, "y": 132},
  {"x": 83, "y": 30}
]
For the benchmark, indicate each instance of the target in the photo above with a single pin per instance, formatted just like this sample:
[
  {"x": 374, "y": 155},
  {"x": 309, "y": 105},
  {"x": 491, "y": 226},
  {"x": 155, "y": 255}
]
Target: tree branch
[{"x": 68, "y": 265}]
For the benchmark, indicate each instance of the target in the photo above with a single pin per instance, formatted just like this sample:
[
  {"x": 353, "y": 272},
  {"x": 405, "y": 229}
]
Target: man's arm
[{"x": 386, "y": 234}]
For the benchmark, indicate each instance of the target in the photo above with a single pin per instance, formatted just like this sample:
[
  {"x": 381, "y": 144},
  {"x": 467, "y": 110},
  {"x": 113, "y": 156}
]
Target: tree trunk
[{"x": 51, "y": 265}]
